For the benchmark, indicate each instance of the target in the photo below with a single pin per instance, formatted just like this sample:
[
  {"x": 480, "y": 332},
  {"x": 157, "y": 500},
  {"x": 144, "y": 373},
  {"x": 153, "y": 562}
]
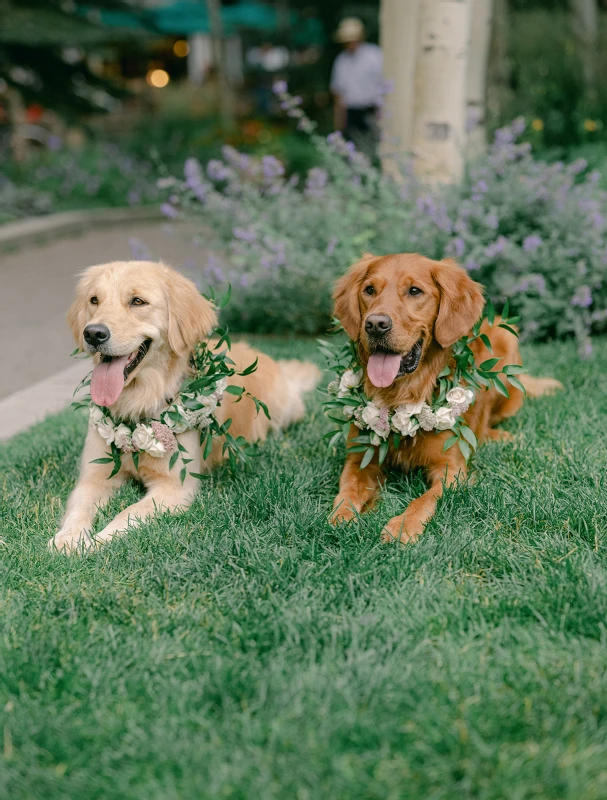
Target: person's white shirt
[{"x": 357, "y": 77}]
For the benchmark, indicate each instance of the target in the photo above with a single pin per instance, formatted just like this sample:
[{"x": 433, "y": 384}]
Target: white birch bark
[
  {"x": 586, "y": 30},
  {"x": 399, "y": 25},
  {"x": 478, "y": 59},
  {"x": 439, "y": 126}
]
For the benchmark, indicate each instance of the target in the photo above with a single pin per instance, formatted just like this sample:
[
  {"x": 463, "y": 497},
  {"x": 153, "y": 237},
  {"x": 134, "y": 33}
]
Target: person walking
[{"x": 357, "y": 83}]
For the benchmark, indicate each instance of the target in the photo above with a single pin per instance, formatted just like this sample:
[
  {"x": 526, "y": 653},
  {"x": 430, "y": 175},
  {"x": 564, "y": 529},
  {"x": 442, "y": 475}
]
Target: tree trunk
[
  {"x": 399, "y": 25},
  {"x": 226, "y": 97},
  {"x": 586, "y": 31},
  {"x": 499, "y": 90},
  {"x": 16, "y": 120},
  {"x": 478, "y": 58},
  {"x": 439, "y": 126}
]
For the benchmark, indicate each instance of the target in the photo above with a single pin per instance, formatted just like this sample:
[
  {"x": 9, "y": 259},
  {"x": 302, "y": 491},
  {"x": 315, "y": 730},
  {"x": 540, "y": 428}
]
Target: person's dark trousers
[{"x": 362, "y": 128}]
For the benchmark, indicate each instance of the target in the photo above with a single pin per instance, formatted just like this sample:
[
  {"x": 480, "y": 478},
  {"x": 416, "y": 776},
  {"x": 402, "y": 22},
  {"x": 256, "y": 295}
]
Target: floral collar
[
  {"x": 200, "y": 395},
  {"x": 453, "y": 395}
]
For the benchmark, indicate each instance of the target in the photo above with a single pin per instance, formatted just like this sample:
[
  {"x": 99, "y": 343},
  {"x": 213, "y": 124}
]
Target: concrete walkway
[{"x": 36, "y": 288}]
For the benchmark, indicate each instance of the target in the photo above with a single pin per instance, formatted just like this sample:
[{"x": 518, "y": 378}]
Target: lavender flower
[
  {"x": 247, "y": 235},
  {"x": 169, "y": 211},
  {"x": 582, "y": 298},
  {"x": 331, "y": 245},
  {"x": 531, "y": 243},
  {"x": 316, "y": 182},
  {"x": 272, "y": 168}
]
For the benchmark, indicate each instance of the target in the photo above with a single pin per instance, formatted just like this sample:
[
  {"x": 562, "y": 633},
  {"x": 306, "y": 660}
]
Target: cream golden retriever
[
  {"x": 140, "y": 321},
  {"x": 405, "y": 312}
]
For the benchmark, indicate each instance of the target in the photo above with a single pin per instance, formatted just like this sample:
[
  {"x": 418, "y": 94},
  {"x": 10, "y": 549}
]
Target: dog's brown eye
[
  {"x": 369, "y": 290},
  {"x": 137, "y": 301},
  {"x": 415, "y": 291},
  {"x": 94, "y": 301}
]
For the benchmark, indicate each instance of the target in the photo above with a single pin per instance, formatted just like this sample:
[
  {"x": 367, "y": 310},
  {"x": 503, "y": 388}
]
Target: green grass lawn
[{"x": 246, "y": 649}]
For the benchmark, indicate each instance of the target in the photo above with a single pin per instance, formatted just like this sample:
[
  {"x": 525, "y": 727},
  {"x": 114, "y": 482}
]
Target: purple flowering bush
[{"x": 532, "y": 232}]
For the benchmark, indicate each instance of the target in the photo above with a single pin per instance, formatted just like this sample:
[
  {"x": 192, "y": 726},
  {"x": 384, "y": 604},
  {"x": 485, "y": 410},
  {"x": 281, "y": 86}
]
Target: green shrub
[{"x": 531, "y": 232}]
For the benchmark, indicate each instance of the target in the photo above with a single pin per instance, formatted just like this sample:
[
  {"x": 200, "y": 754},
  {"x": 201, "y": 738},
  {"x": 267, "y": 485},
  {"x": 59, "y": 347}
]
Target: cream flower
[
  {"x": 444, "y": 418},
  {"x": 376, "y": 419},
  {"x": 349, "y": 380},
  {"x": 122, "y": 436},
  {"x": 403, "y": 422},
  {"x": 176, "y": 427},
  {"x": 220, "y": 386},
  {"x": 95, "y": 415},
  {"x": 349, "y": 411},
  {"x": 459, "y": 396},
  {"x": 106, "y": 430},
  {"x": 375, "y": 439},
  {"x": 411, "y": 409},
  {"x": 143, "y": 437},
  {"x": 156, "y": 449},
  {"x": 208, "y": 401}
]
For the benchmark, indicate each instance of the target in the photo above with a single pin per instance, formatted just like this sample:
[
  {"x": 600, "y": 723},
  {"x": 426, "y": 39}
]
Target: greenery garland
[
  {"x": 200, "y": 394},
  {"x": 455, "y": 391}
]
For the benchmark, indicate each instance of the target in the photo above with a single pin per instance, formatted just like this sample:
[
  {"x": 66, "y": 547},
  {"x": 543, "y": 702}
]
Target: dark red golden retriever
[{"x": 406, "y": 312}]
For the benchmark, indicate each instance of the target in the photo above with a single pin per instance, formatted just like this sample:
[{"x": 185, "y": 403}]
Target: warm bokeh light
[
  {"x": 537, "y": 125},
  {"x": 158, "y": 78},
  {"x": 590, "y": 125},
  {"x": 181, "y": 48}
]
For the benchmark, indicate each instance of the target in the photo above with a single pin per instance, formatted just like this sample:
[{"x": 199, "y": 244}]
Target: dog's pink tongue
[
  {"x": 107, "y": 381},
  {"x": 383, "y": 368}
]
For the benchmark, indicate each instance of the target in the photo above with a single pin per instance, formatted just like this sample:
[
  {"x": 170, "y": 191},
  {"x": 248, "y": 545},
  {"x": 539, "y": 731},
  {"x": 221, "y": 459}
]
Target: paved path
[{"x": 36, "y": 288}]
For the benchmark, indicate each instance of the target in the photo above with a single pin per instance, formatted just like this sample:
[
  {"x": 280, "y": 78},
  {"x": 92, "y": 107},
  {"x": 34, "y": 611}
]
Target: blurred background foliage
[{"x": 83, "y": 85}]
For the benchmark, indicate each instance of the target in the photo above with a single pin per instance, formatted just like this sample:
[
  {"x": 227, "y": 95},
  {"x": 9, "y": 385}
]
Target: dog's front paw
[
  {"x": 343, "y": 511},
  {"x": 70, "y": 541},
  {"x": 404, "y": 528}
]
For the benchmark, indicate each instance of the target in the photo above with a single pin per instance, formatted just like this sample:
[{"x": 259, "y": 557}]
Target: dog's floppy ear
[
  {"x": 345, "y": 295},
  {"x": 191, "y": 316},
  {"x": 461, "y": 302},
  {"x": 76, "y": 315}
]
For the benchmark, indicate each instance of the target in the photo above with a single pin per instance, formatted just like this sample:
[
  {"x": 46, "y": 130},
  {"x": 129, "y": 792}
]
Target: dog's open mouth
[
  {"x": 384, "y": 367},
  {"x": 111, "y": 373}
]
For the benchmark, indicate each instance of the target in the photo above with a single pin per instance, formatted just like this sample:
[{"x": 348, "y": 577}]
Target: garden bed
[{"x": 247, "y": 649}]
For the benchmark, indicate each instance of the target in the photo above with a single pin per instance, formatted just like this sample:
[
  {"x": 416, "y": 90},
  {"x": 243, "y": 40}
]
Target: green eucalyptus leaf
[{"x": 368, "y": 456}]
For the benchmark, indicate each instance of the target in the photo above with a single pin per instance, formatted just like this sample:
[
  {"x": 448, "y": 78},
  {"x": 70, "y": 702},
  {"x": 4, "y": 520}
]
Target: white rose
[
  {"x": 445, "y": 418},
  {"x": 122, "y": 436},
  {"x": 143, "y": 437},
  {"x": 220, "y": 386},
  {"x": 208, "y": 401},
  {"x": 349, "y": 380},
  {"x": 349, "y": 411},
  {"x": 459, "y": 396},
  {"x": 403, "y": 423},
  {"x": 411, "y": 409},
  {"x": 156, "y": 449},
  {"x": 371, "y": 416},
  {"x": 176, "y": 427},
  {"x": 375, "y": 439},
  {"x": 106, "y": 430},
  {"x": 95, "y": 415}
]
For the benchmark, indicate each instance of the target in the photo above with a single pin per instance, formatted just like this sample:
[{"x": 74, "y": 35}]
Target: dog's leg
[
  {"x": 92, "y": 491},
  {"x": 166, "y": 493},
  {"x": 408, "y": 527},
  {"x": 357, "y": 487}
]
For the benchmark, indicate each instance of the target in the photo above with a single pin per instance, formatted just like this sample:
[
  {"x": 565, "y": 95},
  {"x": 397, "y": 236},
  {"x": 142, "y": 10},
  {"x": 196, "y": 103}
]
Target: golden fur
[
  {"x": 175, "y": 317},
  {"x": 448, "y": 306}
]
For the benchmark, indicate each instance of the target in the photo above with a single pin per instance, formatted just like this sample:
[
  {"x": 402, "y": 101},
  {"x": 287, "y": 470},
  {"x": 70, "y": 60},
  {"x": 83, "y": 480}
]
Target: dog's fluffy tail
[
  {"x": 536, "y": 387},
  {"x": 300, "y": 377}
]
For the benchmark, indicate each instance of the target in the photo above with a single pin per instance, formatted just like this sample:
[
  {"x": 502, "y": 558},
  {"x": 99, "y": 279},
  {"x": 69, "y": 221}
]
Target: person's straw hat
[{"x": 350, "y": 29}]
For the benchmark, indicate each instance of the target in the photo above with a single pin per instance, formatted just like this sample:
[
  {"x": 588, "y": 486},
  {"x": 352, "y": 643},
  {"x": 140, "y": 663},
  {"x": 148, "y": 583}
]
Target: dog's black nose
[
  {"x": 96, "y": 334},
  {"x": 378, "y": 324}
]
